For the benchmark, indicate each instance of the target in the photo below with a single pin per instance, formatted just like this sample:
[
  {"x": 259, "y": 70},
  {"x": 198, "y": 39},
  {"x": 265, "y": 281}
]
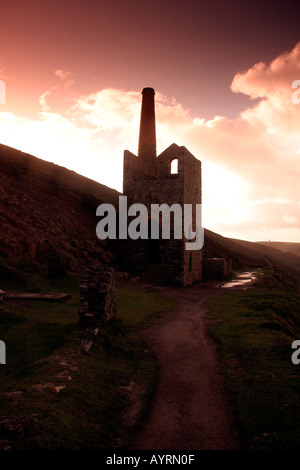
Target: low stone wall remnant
[
  {"x": 97, "y": 295},
  {"x": 216, "y": 268}
]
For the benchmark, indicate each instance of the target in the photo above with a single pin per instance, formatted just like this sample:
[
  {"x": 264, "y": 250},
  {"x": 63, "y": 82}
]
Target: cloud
[
  {"x": 66, "y": 77},
  {"x": 42, "y": 101},
  {"x": 272, "y": 80},
  {"x": 108, "y": 109},
  {"x": 262, "y": 145},
  {"x": 290, "y": 219},
  {"x": 3, "y": 75},
  {"x": 56, "y": 95},
  {"x": 251, "y": 164}
]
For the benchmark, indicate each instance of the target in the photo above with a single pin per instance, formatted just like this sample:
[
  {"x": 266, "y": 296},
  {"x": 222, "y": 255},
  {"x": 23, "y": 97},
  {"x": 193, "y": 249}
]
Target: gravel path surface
[{"x": 191, "y": 409}]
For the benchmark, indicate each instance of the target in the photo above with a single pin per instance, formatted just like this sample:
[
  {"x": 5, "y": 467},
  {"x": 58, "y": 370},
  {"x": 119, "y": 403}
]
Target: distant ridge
[
  {"x": 244, "y": 253},
  {"x": 285, "y": 247}
]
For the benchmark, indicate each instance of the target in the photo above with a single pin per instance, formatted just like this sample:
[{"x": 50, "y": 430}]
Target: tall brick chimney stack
[{"x": 147, "y": 139}]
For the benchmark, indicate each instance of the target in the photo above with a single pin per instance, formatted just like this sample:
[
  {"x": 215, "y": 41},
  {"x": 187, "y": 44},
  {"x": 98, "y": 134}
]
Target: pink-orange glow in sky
[{"x": 223, "y": 74}]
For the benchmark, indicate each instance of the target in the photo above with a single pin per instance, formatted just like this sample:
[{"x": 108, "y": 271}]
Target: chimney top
[
  {"x": 147, "y": 138},
  {"x": 148, "y": 90}
]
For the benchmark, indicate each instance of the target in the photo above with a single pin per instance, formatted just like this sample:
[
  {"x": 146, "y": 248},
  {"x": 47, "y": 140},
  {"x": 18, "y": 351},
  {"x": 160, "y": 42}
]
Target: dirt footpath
[{"x": 190, "y": 410}]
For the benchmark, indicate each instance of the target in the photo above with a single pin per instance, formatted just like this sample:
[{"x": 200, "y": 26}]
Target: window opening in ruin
[{"x": 174, "y": 167}]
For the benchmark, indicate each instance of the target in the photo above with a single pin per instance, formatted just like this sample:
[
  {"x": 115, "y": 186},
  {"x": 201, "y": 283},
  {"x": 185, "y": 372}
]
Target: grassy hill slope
[
  {"x": 244, "y": 253},
  {"x": 48, "y": 213},
  {"x": 285, "y": 247}
]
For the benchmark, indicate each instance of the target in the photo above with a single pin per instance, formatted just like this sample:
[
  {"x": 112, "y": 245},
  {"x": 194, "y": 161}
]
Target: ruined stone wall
[
  {"x": 97, "y": 296},
  {"x": 151, "y": 182},
  {"x": 182, "y": 188},
  {"x": 192, "y": 195},
  {"x": 137, "y": 177},
  {"x": 216, "y": 268}
]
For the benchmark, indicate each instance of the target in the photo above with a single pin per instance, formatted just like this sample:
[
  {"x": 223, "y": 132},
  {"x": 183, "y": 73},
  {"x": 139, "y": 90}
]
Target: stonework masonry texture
[{"x": 97, "y": 295}]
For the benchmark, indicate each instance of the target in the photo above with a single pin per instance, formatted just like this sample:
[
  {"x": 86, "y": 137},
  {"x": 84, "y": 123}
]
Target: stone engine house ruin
[{"x": 172, "y": 177}]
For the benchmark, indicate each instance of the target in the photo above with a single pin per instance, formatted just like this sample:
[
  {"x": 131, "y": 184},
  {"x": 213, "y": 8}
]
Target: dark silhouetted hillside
[
  {"x": 285, "y": 247},
  {"x": 48, "y": 213},
  {"x": 244, "y": 253},
  {"x": 272, "y": 254}
]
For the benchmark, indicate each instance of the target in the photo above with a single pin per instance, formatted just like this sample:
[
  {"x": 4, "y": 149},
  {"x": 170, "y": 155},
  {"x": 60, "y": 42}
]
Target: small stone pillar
[{"x": 97, "y": 296}]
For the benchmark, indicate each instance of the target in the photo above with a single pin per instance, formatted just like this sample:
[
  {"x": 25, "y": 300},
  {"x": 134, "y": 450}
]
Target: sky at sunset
[{"x": 223, "y": 74}]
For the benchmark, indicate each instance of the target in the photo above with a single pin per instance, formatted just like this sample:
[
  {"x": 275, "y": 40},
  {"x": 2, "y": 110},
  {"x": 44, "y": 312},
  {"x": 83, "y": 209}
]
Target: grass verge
[
  {"x": 255, "y": 332},
  {"x": 89, "y": 410}
]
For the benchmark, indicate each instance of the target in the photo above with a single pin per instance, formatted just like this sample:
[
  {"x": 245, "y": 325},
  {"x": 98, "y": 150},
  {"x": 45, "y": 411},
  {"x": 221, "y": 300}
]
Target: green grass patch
[
  {"x": 137, "y": 306},
  {"x": 89, "y": 412},
  {"x": 255, "y": 334}
]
